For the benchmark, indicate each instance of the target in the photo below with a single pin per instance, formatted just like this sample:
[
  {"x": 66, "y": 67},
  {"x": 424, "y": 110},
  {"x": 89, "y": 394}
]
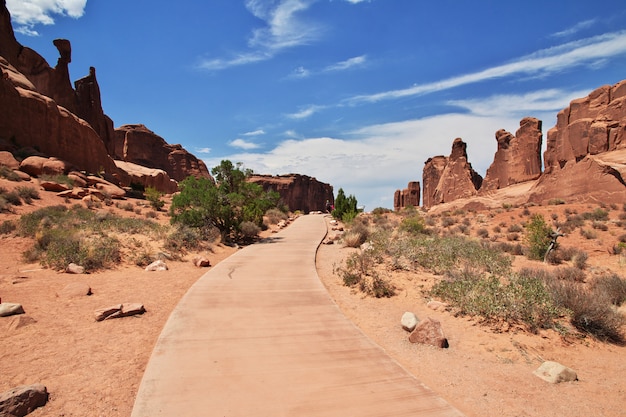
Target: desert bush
[
  {"x": 249, "y": 230},
  {"x": 414, "y": 224},
  {"x": 356, "y": 235},
  {"x": 12, "y": 197},
  {"x": 537, "y": 237},
  {"x": 589, "y": 234},
  {"x": 59, "y": 179},
  {"x": 183, "y": 238},
  {"x": 570, "y": 274},
  {"x": 4, "y": 204},
  {"x": 522, "y": 299},
  {"x": 7, "y": 227},
  {"x": 580, "y": 259},
  {"x": 8, "y": 173},
  {"x": 359, "y": 271},
  {"x": 555, "y": 201},
  {"x": 598, "y": 225},
  {"x": 590, "y": 311},
  {"x": 512, "y": 237},
  {"x": 612, "y": 286},
  {"x": 28, "y": 194},
  {"x": 448, "y": 221},
  {"x": 143, "y": 259},
  {"x": 378, "y": 211},
  {"x": 515, "y": 228},
  {"x": 513, "y": 249},
  {"x": 598, "y": 214},
  {"x": 275, "y": 216},
  {"x": 483, "y": 233}
]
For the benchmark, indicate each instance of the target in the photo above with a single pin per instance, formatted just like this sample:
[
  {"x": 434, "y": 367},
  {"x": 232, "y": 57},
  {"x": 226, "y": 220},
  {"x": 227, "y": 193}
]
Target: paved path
[{"x": 258, "y": 335}]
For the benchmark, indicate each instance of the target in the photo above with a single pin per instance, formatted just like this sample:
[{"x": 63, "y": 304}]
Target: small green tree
[
  {"x": 225, "y": 204},
  {"x": 538, "y": 237},
  {"x": 345, "y": 207}
]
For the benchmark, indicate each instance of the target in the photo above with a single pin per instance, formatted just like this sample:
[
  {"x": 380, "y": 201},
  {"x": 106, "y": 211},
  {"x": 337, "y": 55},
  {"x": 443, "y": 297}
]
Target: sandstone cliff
[
  {"x": 518, "y": 158},
  {"x": 409, "y": 196},
  {"x": 140, "y": 145},
  {"x": 450, "y": 178},
  {"x": 298, "y": 192}
]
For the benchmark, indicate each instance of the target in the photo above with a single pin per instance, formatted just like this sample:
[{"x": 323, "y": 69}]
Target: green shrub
[
  {"x": 28, "y": 194},
  {"x": 537, "y": 237},
  {"x": 154, "y": 197},
  {"x": 249, "y": 230},
  {"x": 414, "y": 224},
  {"x": 8, "y": 173},
  {"x": 598, "y": 214}
]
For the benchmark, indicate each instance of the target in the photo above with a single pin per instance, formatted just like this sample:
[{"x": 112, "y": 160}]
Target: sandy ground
[{"x": 94, "y": 368}]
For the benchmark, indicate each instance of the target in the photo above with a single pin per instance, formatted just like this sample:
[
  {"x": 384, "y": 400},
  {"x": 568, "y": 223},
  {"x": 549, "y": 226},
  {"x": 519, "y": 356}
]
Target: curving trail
[{"x": 258, "y": 335}]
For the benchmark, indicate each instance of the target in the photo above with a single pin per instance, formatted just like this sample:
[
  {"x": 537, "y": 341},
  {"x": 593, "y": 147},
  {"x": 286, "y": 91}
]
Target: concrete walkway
[{"x": 258, "y": 335}]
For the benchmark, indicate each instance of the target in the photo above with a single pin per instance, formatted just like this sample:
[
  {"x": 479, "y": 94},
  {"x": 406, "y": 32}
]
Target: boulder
[
  {"x": 8, "y": 160},
  {"x": 10, "y": 309},
  {"x": 53, "y": 186},
  {"x": 429, "y": 332},
  {"x": 408, "y": 321},
  {"x": 201, "y": 262},
  {"x": 75, "y": 290},
  {"x": 554, "y": 372},
  {"x": 148, "y": 177},
  {"x": 298, "y": 192},
  {"x": 518, "y": 158},
  {"x": 72, "y": 268},
  {"x": 23, "y": 400},
  {"x": 157, "y": 266}
]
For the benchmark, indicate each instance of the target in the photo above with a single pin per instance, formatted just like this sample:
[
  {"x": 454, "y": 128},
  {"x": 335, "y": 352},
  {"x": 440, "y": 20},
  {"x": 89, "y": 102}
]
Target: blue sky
[{"x": 356, "y": 93}]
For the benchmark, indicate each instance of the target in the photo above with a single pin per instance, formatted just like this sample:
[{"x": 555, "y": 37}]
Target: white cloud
[
  {"x": 552, "y": 100},
  {"x": 306, "y": 112},
  {"x": 26, "y": 14},
  {"x": 347, "y": 64},
  {"x": 203, "y": 150},
  {"x": 357, "y": 1},
  {"x": 588, "y": 51},
  {"x": 257, "y": 132},
  {"x": 283, "y": 29},
  {"x": 372, "y": 162},
  {"x": 300, "y": 72},
  {"x": 243, "y": 144},
  {"x": 575, "y": 29}
]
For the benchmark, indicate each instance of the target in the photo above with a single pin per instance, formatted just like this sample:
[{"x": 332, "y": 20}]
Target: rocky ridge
[{"x": 585, "y": 160}]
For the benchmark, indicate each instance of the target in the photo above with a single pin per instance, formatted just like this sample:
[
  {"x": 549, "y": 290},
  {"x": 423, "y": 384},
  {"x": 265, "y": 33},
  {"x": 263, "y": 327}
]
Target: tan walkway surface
[{"x": 258, "y": 335}]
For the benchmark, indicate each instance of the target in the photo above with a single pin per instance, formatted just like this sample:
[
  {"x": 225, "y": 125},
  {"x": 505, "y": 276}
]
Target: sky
[{"x": 356, "y": 93}]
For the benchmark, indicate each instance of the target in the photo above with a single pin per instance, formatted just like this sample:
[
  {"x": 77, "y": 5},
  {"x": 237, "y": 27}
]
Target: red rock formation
[
  {"x": 456, "y": 180},
  {"x": 518, "y": 158},
  {"x": 148, "y": 177},
  {"x": 589, "y": 126},
  {"x": 140, "y": 145},
  {"x": 410, "y": 196},
  {"x": 433, "y": 168},
  {"x": 595, "y": 178},
  {"x": 35, "y": 120},
  {"x": 298, "y": 192}
]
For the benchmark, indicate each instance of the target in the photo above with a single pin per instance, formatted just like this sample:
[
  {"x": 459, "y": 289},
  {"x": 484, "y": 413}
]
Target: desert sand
[{"x": 94, "y": 368}]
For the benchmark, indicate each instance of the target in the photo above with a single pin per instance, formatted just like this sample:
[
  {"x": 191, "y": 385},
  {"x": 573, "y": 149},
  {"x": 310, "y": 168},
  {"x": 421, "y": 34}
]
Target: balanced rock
[
  {"x": 10, "y": 309},
  {"x": 429, "y": 332},
  {"x": 408, "y": 321},
  {"x": 23, "y": 400},
  {"x": 554, "y": 372}
]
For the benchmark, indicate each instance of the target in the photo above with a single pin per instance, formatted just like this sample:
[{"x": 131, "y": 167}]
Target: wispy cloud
[
  {"x": 520, "y": 104},
  {"x": 575, "y": 29},
  {"x": 26, "y": 14},
  {"x": 243, "y": 144},
  {"x": 257, "y": 132},
  {"x": 357, "y": 61},
  {"x": 203, "y": 150},
  {"x": 283, "y": 29},
  {"x": 347, "y": 64},
  {"x": 306, "y": 112},
  {"x": 590, "y": 51}
]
